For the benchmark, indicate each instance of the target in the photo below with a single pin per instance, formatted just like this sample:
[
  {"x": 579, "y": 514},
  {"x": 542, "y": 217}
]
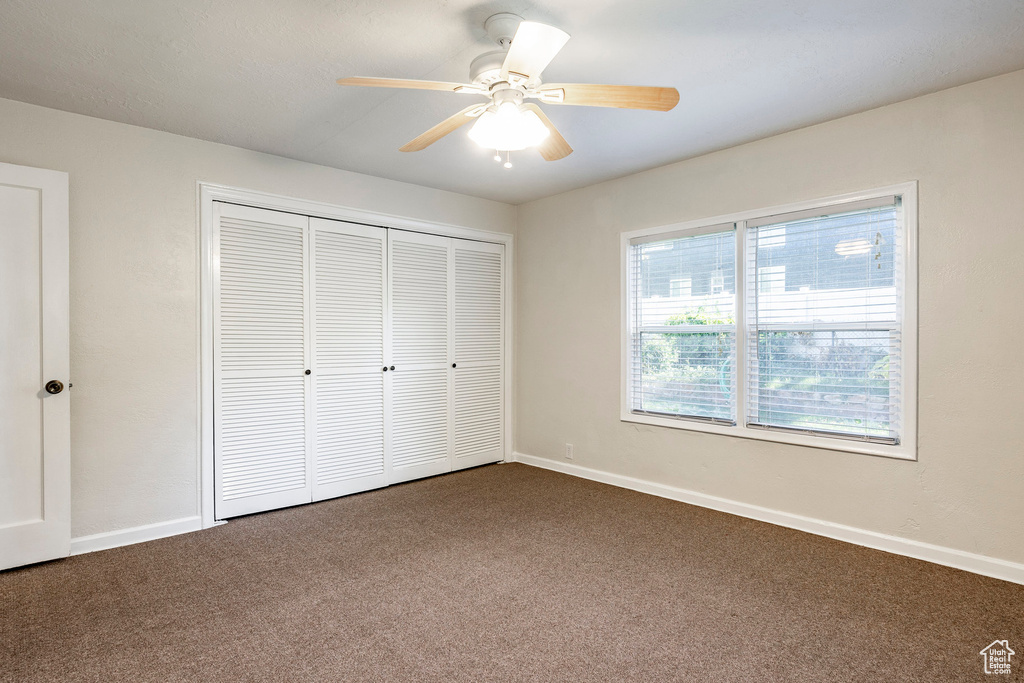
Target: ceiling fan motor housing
[{"x": 486, "y": 69}]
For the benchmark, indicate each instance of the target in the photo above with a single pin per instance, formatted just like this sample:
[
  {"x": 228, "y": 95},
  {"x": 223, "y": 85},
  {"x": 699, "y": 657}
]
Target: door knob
[{"x": 54, "y": 386}]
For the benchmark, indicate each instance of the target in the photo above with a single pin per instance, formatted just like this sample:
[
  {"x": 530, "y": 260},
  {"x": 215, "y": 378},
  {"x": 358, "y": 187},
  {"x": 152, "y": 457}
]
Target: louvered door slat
[
  {"x": 261, "y": 403},
  {"x": 350, "y": 433},
  {"x": 419, "y": 428},
  {"x": 477, "y": 412},
  {"x": 419, "y": 273},
  {"x": 349, "y": 309},
  {"x": 477, "y": 404},
  {"x": 419, "y": 296}
]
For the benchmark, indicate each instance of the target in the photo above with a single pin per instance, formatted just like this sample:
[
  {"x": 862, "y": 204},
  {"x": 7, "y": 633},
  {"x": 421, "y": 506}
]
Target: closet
[{"x": 348, "y": 357}]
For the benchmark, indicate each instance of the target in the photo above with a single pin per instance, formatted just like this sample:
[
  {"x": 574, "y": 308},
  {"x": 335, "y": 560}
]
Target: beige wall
[
  {"x": 134, "y": 249},
  {"x": 965, "y": 146},
  {"x": 134, "y": 291}
]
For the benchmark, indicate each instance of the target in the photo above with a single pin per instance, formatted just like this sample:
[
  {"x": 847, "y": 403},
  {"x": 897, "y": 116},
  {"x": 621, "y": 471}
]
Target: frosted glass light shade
[{"x": 509, "y": 129}]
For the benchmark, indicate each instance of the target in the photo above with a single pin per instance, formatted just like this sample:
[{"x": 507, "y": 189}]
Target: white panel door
[
  {"x": 477, "y": 391},
  {"x": 418, "y": 374},
  {"x": 349, "y": 313},
  {"x": 35, "y": 462},
  {"x": 262, "y": 421}
]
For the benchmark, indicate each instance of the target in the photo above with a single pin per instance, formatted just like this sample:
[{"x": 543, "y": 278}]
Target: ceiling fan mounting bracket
[{"x": 501, "y": 27}]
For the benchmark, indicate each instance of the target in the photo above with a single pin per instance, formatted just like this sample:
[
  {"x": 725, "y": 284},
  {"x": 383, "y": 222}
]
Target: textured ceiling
[{"x": 260, "y": 74}]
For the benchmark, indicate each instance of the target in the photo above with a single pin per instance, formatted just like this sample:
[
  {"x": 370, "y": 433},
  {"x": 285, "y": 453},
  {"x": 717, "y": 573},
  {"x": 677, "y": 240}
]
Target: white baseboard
[
  {"x": 959, "y": 559},
  {"x": 138, "y": 534}
]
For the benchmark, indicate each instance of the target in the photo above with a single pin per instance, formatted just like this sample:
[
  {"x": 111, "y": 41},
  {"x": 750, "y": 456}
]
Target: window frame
[{"x": 906, "y": 449}]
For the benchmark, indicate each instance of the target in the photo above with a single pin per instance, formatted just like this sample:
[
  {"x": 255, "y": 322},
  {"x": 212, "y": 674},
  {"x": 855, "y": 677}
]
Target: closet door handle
[
  {"x": 392, "y": 367},
  {"x": 453, "y": 365},
  {"x": 385, "y": 368}
]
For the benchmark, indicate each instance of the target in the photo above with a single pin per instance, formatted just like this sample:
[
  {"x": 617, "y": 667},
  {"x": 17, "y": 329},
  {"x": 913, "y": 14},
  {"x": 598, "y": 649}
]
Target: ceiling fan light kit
[
  {"x": 508, "y": 129},
  {"x": 511, "y": 75}
]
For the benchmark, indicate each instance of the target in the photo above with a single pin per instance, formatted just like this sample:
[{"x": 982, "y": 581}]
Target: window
[
  {"x": 682, "y": 286},
  {"x": 683, "y": 351},
  {"x": 826, "y": 358},
  {"x": 794, "y": 324},
  {"x": 772, "y": 237},
  {"x": 771, "y": 279}
]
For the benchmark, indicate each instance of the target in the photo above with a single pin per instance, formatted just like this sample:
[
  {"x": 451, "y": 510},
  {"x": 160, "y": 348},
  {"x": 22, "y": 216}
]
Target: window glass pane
[
  {"x": 681, "y": 287},
  {"x": 689, "y": 276},
  {"x": 832, "y": 381},
  {"x": 686, "y": 284},
  {"x": 833, "y": 269},
  {"x": 686, "y": 374},
  {"x": 823, "y": 324},
  {"x": 771, "y": 279}
]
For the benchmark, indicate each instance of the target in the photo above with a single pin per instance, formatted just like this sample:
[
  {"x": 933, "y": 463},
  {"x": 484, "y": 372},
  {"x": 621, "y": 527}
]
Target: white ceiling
[{"x": 260, "y": 74}]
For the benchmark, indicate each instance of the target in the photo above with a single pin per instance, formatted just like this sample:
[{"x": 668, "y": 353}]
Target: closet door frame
[{"x": 206, "y": 194}]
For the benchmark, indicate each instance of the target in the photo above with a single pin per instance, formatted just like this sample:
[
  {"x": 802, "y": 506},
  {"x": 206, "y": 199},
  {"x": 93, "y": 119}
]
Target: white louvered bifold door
[
  {"x": 261, "y": 352},
  {"x": 418, "y": 364},
  {"x": 477, "y": 392},
  {"x": 349, "y": 263}
]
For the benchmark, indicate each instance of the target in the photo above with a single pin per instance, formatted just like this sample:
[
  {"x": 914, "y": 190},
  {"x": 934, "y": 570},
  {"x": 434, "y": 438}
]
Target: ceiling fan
[{"x": 509, "y": 77}]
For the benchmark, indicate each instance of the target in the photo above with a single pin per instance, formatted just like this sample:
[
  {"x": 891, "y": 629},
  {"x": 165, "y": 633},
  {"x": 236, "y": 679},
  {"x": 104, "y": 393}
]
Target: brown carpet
[{"x": 502, "y": 573}]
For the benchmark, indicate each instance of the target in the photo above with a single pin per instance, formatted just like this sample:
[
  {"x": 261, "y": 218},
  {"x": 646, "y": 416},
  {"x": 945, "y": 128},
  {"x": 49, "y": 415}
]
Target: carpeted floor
[{"x": 502, "y": 573}]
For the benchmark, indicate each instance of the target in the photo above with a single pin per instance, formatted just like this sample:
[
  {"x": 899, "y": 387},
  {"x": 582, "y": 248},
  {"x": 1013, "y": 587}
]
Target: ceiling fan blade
[
  {"x": 450, "y": 124},
  {"x": 621, "y": 96},
  {"x": 554, "y": 146},
  {"x": 414, "y": 84},
  {"x": 533, "y": 47}
]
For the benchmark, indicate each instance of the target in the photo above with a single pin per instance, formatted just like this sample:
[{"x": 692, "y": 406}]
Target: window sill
[{"x": 902, "y": 451}]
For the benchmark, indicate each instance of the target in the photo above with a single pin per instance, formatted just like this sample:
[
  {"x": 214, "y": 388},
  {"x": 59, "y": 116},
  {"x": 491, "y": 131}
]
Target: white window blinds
[
  {"x": 823, "y": 324},
  {"x": 683, "y": 326}
]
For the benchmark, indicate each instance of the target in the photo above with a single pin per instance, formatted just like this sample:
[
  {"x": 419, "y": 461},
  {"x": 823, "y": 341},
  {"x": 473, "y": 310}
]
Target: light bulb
[
  {"x": 508, "y": 164},
  {"x": 497, "y": 157}
]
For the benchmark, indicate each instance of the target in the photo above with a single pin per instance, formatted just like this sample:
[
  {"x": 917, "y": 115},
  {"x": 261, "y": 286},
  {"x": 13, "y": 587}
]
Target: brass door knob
[{"x": 54, "y": 386}]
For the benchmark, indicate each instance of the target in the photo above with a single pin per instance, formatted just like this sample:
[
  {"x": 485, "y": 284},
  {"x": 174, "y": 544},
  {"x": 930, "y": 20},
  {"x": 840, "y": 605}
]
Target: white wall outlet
[{"x": 568, "y": 451}]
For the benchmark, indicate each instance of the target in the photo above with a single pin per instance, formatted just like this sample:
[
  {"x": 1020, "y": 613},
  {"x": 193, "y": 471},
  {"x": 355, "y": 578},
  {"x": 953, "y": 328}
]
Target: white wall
[
  {"x": 134, "y": 291},
  {"x": 966, "y": 147}
]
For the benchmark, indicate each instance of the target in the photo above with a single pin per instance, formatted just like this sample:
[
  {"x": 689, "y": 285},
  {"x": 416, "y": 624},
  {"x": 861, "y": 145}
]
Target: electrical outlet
[{"x": 568, "y": 451}]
